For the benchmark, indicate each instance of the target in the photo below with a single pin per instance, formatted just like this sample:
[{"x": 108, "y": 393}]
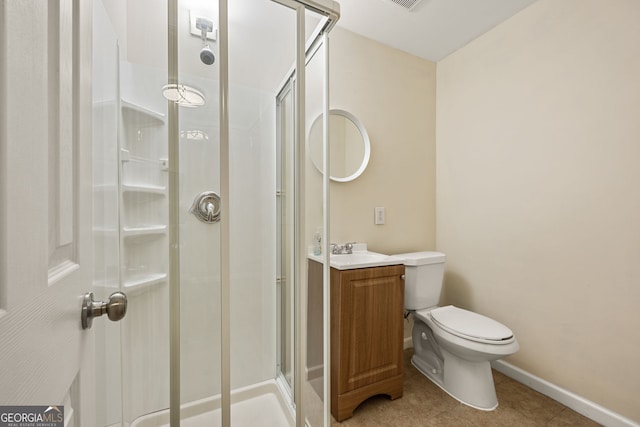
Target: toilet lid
[{"x": 470, "y": 325}]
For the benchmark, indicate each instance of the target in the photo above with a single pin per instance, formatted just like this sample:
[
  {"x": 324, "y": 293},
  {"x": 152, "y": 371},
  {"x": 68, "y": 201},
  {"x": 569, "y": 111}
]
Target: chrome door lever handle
[{"x": 115, "y": 308}]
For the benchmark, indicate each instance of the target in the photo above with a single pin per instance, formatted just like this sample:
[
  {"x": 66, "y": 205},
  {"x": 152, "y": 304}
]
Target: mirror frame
[{"x": 365, "y": 139}]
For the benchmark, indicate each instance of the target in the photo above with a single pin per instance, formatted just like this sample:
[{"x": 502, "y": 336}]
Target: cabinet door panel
[{"x": 371, "y": 327}]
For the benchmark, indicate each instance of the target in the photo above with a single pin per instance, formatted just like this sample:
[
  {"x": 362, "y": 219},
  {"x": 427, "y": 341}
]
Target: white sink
[
  {"x": 360, "y": 258},
  {"x": 364, "y": 259}
]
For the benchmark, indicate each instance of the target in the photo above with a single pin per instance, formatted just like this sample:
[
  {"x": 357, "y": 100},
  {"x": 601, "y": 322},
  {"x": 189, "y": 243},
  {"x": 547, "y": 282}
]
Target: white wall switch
[{"x": 378, "y": 217}]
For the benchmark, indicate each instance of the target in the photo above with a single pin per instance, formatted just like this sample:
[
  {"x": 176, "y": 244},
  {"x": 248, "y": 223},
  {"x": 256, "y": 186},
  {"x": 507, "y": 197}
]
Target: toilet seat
[{"x": 471, "y": 326}]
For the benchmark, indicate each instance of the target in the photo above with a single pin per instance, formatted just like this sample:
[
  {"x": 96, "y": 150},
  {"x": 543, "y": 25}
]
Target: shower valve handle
[{"x": 206, "y": 207}]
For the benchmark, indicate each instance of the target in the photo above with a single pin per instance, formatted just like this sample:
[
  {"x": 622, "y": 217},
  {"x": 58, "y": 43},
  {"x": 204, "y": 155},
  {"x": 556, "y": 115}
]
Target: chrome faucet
[{"x": 347, "y": 248}]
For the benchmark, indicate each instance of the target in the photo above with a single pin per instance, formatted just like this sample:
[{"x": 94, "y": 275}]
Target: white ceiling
[
  {"x": 262, "y": 32},
  {"x": 433, "y": 29}
]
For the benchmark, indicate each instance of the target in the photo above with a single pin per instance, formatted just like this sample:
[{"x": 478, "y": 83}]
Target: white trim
[
  {"x": 313, "y": 372},
  {"x": 408, "y": 343},
  {"x": 571, "y": 400},
  {"x": 583, "y": 406}
]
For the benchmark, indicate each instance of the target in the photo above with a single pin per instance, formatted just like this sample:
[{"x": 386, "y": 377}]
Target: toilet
[{"x": 453, "y": 347}]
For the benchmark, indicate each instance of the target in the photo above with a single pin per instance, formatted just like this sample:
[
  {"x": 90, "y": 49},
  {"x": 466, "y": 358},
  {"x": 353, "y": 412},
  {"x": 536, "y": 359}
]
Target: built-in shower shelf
[
  {"x": 127, "y": 157},
  {"x": 140, "y": 115},
  {"x": 139, "y": 284},
  {"x": 149, "y": 230},
  {"x": 141, "y": 189}
]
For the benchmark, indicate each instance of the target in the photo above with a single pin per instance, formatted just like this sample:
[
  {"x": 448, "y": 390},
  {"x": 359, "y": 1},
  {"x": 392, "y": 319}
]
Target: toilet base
[
  {"x": 468, "y": 381},
  {"x": 468, "y": 384}
]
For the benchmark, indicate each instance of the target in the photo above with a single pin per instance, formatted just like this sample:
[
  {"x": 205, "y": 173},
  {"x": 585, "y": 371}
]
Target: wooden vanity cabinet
[{"x": 367, "y": 307}]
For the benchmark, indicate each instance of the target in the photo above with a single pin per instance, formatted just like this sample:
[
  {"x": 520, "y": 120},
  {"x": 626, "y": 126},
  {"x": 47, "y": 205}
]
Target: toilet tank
[{"x": 423, "y": 279}]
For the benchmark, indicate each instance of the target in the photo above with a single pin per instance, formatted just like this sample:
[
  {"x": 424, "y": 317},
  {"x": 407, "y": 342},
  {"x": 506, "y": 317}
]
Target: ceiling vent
[{"x": 406, "y": 4}]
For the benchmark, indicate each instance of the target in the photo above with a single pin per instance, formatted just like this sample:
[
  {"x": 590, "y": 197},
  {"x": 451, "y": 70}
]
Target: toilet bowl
[
  {"x": 453, "y": 347},
  {"x": 465, "y": 369}
]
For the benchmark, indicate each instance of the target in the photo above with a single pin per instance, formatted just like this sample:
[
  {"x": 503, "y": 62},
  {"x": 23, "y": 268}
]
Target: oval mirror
[{"x": 349, "y": 145}]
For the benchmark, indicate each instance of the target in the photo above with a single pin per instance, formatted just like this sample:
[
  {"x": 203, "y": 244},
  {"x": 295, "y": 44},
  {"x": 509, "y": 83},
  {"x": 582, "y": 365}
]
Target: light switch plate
[{"x": 378, "y": 218}]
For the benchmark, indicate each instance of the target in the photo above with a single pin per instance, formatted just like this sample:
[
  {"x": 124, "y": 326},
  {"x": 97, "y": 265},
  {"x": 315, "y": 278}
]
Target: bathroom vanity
[{"x": 367, "y": 306}]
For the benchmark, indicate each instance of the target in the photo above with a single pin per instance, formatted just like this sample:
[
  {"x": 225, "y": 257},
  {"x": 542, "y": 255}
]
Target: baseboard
[
  {"x": 314, "y": 372},
  {"x": 571, "y": 400},
  {"x": 407, "y": 343}
]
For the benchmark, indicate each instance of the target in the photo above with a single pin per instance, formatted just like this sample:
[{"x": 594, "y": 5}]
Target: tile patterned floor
[{"x": 424, "y": 404}]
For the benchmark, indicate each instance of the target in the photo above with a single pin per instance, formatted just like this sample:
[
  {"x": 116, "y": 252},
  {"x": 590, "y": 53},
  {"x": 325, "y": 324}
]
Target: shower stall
[{"x": 204, "y": 209}]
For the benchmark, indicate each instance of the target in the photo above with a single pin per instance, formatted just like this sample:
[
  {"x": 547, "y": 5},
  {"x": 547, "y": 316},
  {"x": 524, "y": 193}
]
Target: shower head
[{"x": 206, "y": 55}]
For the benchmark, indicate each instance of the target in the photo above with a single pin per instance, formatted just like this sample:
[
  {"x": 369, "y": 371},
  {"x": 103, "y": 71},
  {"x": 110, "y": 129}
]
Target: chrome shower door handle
[{"x": 115, "y": 308}]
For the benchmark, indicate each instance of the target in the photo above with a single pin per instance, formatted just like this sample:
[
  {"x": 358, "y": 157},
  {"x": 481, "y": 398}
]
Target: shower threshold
[{"x": 261, "y": 404}]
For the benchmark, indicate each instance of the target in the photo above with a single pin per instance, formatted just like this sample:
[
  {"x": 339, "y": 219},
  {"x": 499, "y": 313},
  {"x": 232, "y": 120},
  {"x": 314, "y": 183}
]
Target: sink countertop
[{"x": 360, "y": 258}]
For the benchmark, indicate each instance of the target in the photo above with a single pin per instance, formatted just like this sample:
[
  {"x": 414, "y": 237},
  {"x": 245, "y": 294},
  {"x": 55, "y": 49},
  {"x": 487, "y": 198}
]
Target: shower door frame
[
  {"x": 330, "y": 10},
  {"x": 289, "y": 88},
  {"x": 296, "y": 83}
]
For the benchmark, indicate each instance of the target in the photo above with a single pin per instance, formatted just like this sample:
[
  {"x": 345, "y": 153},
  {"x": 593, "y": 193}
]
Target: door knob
[{"x": 115, "y": 308}]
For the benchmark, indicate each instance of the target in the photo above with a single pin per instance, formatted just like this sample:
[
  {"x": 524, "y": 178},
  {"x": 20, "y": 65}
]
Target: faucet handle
[{"x": 349, "y": 247}]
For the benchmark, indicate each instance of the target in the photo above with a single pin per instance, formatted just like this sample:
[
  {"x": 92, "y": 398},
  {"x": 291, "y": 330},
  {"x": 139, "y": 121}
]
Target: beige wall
[
  {"x": 393, "y": 95},
  {"x": 538, "y": 190}
]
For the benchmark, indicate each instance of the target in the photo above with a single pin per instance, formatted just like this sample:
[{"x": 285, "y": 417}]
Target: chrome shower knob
[{"x": 206, "y": 207}]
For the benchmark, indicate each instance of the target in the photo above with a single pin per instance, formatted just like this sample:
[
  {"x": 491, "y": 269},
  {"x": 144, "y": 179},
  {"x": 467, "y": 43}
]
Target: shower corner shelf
[
  {"x": 142, "y": 115},
  {"x": 139, "y": 284}
]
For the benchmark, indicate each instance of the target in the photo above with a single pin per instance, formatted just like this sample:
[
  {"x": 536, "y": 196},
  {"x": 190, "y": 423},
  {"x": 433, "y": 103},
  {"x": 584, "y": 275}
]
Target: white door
[{"x": 46, "y": 358}]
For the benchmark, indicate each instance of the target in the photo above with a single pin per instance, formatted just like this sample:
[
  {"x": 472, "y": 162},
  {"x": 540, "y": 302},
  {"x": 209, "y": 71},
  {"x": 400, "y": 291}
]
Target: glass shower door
[
  {"x": 106, "y": 217},
  {"x": 131, "y": 210},
  {"x": 200, "y": 219},
  {"x": 188, "y": 152}
]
